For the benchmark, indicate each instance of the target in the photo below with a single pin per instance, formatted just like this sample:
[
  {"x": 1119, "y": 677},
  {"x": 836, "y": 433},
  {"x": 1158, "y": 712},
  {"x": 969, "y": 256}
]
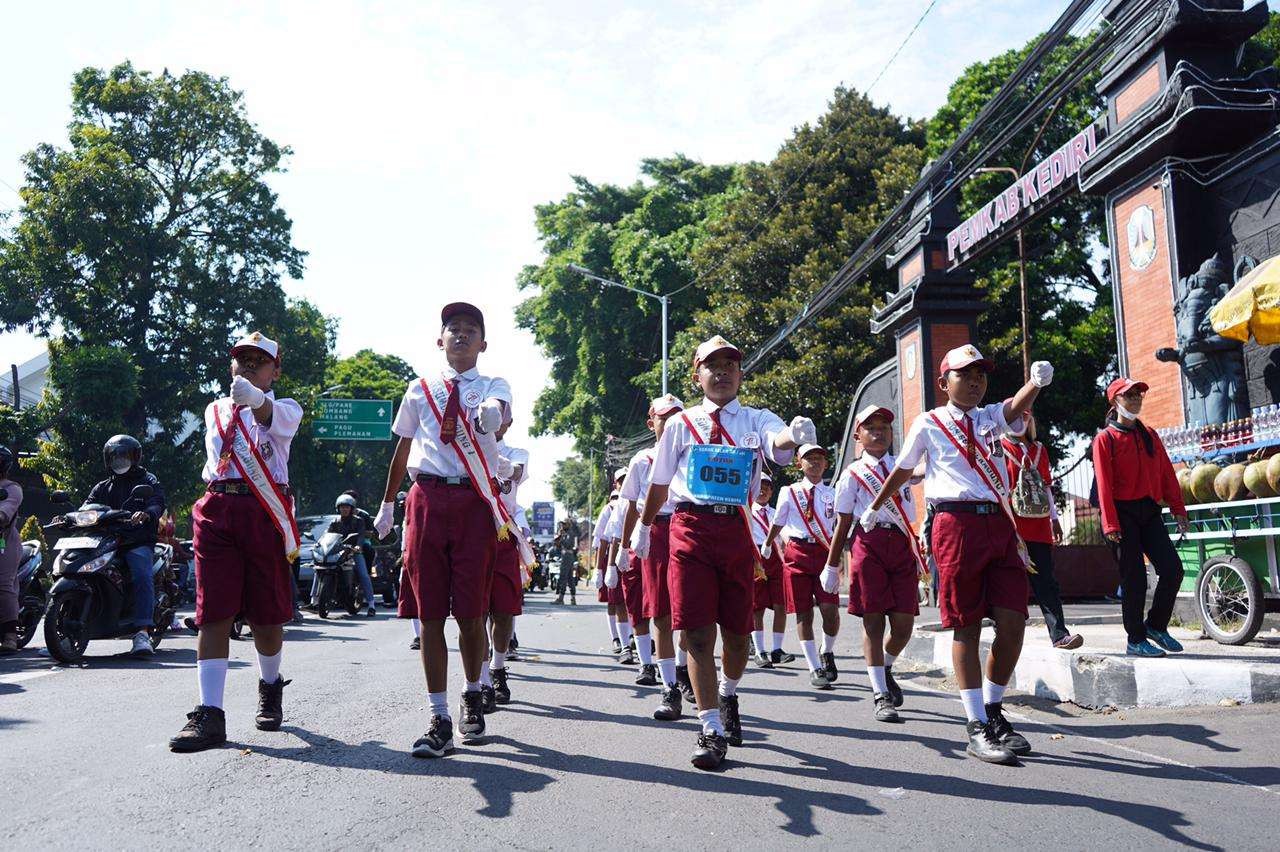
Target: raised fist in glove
[
  {"x": 244, "y": 393},
  {"x": 803, "y": 431},
  {"x": 489, "y": 417},
  {"x": 830, "y": 579},
  {"x": 504, "y": 469},
  {"x": 868, "y": 519},
  {"x": 385, "y": 518},
  {"x": 1041, "y": 374},
  {"x": 640, "y": 540},
  {"x": 766, "y": 550},
  {"x": 611, "y": 576}
]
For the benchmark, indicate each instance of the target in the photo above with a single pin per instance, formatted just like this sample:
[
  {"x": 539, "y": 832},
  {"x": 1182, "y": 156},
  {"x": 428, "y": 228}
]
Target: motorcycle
[
  {"x": 388, "y": 561},
  {"x": 92, "y": 595},
  {"x": 33, "y": 590},
  {"x": 333, "y": 560}
]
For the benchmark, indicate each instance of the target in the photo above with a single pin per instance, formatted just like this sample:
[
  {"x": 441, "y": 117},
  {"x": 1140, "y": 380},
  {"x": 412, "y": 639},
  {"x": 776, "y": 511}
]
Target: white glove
[
  {"x": 766, "y": 550},
  {"x": 803, "y": 431},
  {"x": 640, "y": 540},
  {"x": 490, "y": 415},
  {"x": 623, "y": 559},
  {"x": 504, "y": 469},
  {"x": 244, "y": 393},
  {"x": 868, "y": 519},
  {"x": 611, "y": 576},
  {"x": 599, "y": 580},
  {"x": 1041, "y": 374},
  {"x": 386, "y": 517},
  {"x": 830, "y": 579}
]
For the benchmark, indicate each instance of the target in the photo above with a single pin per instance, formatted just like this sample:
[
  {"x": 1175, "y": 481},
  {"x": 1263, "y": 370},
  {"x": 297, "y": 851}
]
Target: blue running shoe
[
  {"x": 1164, "y": 640},
  {"x": 1143, "y": 649}
]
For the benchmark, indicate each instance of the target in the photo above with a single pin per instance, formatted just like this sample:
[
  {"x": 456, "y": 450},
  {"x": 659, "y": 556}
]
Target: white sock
[
  {"x": 828, "y": 644},
  {"x": 757, "y": 637},
  {"x": 888, "y": 659},
  {"x": 473, "y": 686},
  {"x": 878, "y": 683},
  {"x": 213, "y": 681},
  {"x": 992, "y": 693},
  {"x": 972, "y": 701},
  {"x": 499, "y": 660},
  {"x": 729, "y": 686},
  {"x": 613, "y": 626},
  {"x": 682, "y": 657},
  {"x": 624, "y": 633},
  {"x": 810, "y": 649},
  {"x": 417, "y": 627},
  {"x": 644, "y": 647},
  {"x": 711, "y": 722},
  {"x": 485, "y": 678},
  {"x": 269, "y": 667},
  {"x": 668, "y": 669},
  {"x": 777, "y": 641},
  {"x": 439, "y": 704}
]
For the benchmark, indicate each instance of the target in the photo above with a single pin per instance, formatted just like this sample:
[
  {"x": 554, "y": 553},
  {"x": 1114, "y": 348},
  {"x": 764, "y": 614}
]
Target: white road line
[{"x": 20, "y": 677}]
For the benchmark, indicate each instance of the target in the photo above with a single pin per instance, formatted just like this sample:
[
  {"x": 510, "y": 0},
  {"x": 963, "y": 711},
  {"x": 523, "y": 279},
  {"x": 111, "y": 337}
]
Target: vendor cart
[{"x": 1229, "y": 556}]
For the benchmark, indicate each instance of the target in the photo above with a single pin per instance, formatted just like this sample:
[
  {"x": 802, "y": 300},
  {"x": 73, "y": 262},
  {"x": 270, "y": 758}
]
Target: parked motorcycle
[
  {"x": 33, "y": 590},
  {"x": 333, "y": 560},
  {"x": 92, "y": 594},
  {"x": 388, "y": 561}
]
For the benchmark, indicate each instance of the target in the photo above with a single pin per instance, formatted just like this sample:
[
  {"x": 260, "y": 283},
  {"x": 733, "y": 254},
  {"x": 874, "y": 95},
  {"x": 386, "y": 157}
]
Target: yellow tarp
[{"x": 1252, "y": 307}]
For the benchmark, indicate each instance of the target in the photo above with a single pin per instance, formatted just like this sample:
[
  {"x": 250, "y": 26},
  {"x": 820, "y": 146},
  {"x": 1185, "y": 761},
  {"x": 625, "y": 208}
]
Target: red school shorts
[
  {"x": 802, "y": 562},
  {"x": 631, "y": 582},
  {"x": 711, "y": 572},
  {"x": 882, "y": 573},
  {"x": 770, "y": 593},
  {"x": 240, "y": 563},
  {"x": 978, "y": 567},
  {"x": 505, "y": 592},
  {"x": 657, "y": 593},
  {"x": 450, "y": 541}
]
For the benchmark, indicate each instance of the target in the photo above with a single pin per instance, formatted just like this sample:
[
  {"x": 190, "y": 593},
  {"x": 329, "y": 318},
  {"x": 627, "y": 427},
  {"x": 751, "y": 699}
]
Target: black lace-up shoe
[
  {"x": 471, "y": 724},
  {"x": 894, "y": 689},
  {"x": 270, "y": 695},
  {"x": 818, "y": 679},
  {"x": 781, "y": 657},
  {"x": 685, "y": 685},
  {"x": 501, "y": 689},
  {"x": 732, "y": 721},
  {"x": 648, "y": 675},
  {"x": 885, "y": 711},
  {"x": 829, "y": 666},
  {"x": 489, "y": 700},
  {"x": 437, "y": 740},
  {"x": 984, "y": 745},
  {"x": 1003, "y": 731},
  {"x": 671, "y": 707},
  {"x": 710, "y": 752},
  {"x": 206, "y": 728}
]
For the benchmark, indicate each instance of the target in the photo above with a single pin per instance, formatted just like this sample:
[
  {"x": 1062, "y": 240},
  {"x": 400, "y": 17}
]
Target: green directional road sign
[{"x": 353, "y": 420}]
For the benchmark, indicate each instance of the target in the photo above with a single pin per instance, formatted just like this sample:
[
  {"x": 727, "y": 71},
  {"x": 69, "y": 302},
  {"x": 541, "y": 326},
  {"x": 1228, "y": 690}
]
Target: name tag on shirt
[{"x": 719, "y": 474}]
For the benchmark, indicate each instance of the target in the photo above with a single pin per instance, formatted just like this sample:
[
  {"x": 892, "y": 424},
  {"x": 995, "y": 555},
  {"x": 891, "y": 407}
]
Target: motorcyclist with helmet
[
  {"x": 11, "y": 555},
  {"x": 122, "y": 456},
  {"x": 352, "y": 521}
]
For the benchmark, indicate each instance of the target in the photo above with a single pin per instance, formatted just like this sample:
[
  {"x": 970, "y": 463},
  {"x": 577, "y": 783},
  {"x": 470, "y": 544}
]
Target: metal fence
[{"x": 1072, "y": 484}]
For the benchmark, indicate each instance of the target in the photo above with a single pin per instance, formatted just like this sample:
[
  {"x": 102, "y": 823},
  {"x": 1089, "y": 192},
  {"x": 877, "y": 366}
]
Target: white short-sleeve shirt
[
  {"x": 794, "y": 501},
  {"x": 853, "y": 498},
  {"x": 948, "y": 474},
  {"x": 416, "y": 421},
  {"x": 600, "y": 533},
  {"x": 761, "y": 522},
  {"x": 636, "y": 486},
  {"x": 272, "y": 441}
]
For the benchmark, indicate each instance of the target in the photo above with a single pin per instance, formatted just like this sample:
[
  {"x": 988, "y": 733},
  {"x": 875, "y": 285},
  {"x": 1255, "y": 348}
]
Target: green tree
[
  {"x": 571, "y": 486},
  {"x": 155, "y": 233},
  {"x": 1264, "y": 48}
]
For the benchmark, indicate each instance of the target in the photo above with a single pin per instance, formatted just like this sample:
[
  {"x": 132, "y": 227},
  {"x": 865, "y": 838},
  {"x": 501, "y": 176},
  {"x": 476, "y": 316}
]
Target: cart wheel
[{"x": 1229, "y": 597}]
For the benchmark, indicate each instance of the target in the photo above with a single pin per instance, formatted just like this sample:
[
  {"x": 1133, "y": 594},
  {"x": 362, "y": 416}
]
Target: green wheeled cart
[{"x": 1229, "y": 555}]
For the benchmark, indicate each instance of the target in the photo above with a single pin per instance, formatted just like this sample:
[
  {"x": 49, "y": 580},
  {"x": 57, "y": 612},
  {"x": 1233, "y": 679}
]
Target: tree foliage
[{"x": 571, "y": 486}]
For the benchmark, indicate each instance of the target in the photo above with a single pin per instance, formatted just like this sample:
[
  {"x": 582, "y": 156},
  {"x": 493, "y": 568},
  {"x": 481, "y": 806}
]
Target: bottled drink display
[{"x": 1197, "y": 439}]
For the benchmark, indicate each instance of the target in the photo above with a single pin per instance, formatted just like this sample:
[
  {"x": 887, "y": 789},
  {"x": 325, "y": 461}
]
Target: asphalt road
[{"x": 575, "y": 761}]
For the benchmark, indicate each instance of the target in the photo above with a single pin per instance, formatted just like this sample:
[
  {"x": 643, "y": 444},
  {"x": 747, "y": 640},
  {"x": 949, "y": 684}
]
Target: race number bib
[{"x": 720, "y": 474}]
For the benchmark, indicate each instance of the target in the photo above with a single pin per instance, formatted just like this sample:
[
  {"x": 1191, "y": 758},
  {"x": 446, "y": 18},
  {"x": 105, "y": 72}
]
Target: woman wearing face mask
[{"x": 1135, "y": 477}]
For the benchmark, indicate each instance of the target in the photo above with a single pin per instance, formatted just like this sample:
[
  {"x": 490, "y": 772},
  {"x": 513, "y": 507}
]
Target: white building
[{"x": 32, "y": 378}]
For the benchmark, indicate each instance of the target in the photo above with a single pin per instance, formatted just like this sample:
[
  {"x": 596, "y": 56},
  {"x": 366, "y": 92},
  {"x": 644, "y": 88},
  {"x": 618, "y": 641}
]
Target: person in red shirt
[
  {"x": 1036, "y": 517},
  {"x": 1135, "y": 477}
]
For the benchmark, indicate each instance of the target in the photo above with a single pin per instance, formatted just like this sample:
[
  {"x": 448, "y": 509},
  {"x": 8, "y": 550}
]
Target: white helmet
[{"x": 345, "y": 500}]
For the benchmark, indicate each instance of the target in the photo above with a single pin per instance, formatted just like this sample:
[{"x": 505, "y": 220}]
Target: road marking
[
  {"x": 19, "y": 677},
  {"x": 1068, "y": 732}
]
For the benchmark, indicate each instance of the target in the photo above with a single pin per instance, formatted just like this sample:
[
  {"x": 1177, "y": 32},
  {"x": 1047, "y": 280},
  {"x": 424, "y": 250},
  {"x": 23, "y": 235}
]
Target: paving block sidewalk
[{"x": 1099, "y": 674}]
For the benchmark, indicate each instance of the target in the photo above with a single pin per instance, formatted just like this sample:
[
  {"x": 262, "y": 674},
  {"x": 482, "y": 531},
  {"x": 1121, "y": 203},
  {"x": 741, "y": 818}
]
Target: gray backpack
[{"x": 1030, "y": 497}]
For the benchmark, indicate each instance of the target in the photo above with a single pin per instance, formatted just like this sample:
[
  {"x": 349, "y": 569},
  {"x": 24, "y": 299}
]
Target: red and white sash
[
  {"x": 482, "y": 481},
  {"x": 700, "y": 424},
  {"x": 763, "y": 523},
  {"x": 238, "y": 449},
  {"x": 871, "y": 480},
  {"x": 986, "y": 470},
  {"x": 820, "y": 534}
]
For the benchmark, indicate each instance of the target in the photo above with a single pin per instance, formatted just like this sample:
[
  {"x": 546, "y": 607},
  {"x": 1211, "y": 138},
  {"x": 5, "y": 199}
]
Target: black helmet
[
  {"x": 121, "y": 454},
  {"x": 7, "y": 459}
]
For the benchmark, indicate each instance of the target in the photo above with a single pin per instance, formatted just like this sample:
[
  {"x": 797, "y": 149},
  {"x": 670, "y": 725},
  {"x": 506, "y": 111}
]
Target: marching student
[
  {"x": 613, "y": 577},
  {"x": 453, "y": 517},
  {"x": 709, "y": 461},
  {"x": 656, "y": 604},
  {"x": 1036, "y": 515},
  {"x": 506, "y": 593},
  {"x": 885, "y": 562},
  {"x": 982, "y": 564},
  {"x": 245, "y": 535},
  {"x": 597, "y": 552},
  {"x": 769, "y": 592},
  {"x": 806, "y": 512}
]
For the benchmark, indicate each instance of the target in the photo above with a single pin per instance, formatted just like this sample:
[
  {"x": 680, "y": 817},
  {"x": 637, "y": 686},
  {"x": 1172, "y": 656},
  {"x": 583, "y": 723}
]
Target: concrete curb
[{"x": 1104, "y": 680}]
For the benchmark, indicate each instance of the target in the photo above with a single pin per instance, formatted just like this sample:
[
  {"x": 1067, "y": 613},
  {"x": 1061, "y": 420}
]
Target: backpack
[{"x": 1030, "y": 494}]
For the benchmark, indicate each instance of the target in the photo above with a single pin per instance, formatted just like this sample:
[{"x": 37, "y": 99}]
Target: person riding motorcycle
[
  {"x": 122, "y": 456},
  {"x": 12, "y": 554},
  {"x": 350, "y": 520}
]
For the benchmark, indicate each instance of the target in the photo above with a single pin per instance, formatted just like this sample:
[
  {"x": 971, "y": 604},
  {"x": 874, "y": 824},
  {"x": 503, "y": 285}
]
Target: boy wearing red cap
[
  {"x": 245, "y": 535},
  {"x": 806, "y": 515},
  {"x": 709, "y": 461},
  {"x": 769, "y": 591},
  {"x": 453, "y": 516},
  {"x": 982, "y": 564},
  {"x": 884, "y": 563}
]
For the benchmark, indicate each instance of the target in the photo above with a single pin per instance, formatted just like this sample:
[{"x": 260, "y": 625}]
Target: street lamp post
[
  {"x": 1022, "y": 275},
  {"x": 587, "y": 273}
]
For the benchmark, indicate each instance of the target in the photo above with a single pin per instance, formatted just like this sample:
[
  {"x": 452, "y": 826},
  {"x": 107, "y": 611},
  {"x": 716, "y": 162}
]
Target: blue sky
[{"x": 424, "y": 133}]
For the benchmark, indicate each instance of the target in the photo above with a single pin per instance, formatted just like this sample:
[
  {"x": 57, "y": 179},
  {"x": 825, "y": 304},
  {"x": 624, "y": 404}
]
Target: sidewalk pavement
[{"x": 1099, "y": 674}]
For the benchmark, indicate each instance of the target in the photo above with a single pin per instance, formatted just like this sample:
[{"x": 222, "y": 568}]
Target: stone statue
[{"x": 1212, "y": 364}]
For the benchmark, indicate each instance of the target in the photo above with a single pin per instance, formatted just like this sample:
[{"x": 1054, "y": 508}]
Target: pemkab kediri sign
[{"x": 1022, "y": 195}]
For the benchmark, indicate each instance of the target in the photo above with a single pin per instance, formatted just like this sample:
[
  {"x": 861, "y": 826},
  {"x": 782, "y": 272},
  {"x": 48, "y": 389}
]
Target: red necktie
[
  {"x": 449, "y": 426},
  {"x": 968, "y": 434},
  {"x": 811, "y": 508},
  {"x": 883, "y": 470},
  {"x": 717, "y": 431}
]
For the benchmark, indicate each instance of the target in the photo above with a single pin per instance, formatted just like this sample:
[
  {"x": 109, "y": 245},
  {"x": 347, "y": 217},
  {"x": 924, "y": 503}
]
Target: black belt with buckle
[
  {"x": 969, "y": 507},
  {"x": 452, "y": 481},
  {"x": 709, "y": 509},
  {"x": 802, "y": 539},
  {"x": 239, "y": 486}
]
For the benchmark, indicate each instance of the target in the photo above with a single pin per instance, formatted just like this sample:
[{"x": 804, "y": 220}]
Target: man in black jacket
[{"x": 122, "y": 456}]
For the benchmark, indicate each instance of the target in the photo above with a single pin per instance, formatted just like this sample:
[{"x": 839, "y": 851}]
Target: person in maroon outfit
[{"x": 1135, "y": 477}]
